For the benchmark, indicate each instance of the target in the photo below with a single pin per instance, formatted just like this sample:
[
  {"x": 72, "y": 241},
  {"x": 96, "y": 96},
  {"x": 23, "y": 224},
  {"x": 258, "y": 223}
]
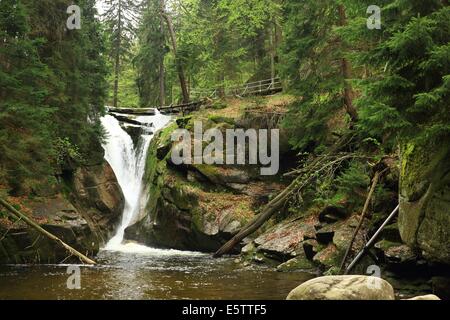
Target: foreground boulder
[
  {"x": 351, "y": 287},
  {"x": 427, "y": 297}
]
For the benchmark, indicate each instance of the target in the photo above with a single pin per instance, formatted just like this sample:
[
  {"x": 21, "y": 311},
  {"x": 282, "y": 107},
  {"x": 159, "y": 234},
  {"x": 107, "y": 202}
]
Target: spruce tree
[{"x": 121, "y": 19}]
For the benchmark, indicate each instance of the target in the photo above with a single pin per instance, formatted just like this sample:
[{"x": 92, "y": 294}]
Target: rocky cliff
[
  {"x": 424, "y": 220},
  {"x": 82, "y": 210}
]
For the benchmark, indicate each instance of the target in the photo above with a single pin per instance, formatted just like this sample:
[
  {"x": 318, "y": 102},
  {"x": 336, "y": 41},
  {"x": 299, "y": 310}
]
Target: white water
[{"x": 128, "y": 162}]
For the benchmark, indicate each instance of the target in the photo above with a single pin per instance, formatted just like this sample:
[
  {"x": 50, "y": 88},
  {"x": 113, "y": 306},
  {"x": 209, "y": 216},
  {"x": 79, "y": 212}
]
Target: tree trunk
[
  {"x": 20, "y": 216},
  {"x": 180, "y": 70},
  {"x": 273, "y": 50},
  {"x": 278, "y": 202},
  {"x": 117, "y": 59},
  {"x": 347, "y": 73},
  {"x": 363, "y": 216},
  {"x": 162, "y": 87}
]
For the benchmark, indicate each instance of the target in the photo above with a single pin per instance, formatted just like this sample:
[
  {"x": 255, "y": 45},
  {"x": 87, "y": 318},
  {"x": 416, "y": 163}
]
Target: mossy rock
[
  {"x": 221, "y": 119},
  {"x": 424, "y": 218},
  {"x": 300, "y": 263}
]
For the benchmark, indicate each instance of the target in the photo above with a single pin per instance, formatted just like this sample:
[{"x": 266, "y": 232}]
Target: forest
[{"x": 359, "y": 91}]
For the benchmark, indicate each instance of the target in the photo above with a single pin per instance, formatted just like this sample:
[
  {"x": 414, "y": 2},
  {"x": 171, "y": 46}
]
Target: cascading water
[{"x": 128, "y": 162}]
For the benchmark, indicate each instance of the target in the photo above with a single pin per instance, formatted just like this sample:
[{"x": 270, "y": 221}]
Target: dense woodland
[{"x": 385, "y": 86}]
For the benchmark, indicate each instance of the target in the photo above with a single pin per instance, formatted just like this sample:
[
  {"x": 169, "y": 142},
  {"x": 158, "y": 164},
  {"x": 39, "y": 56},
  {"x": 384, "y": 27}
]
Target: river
[{"x": 149, "y": 274}]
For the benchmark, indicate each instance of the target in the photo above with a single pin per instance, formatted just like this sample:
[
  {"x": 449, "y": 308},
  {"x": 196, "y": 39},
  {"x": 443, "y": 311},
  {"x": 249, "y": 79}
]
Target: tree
[
  {"x": 24, "y": 114},
  {"x": 121, "y": 18},
  {"x": 52, "y": 92}
]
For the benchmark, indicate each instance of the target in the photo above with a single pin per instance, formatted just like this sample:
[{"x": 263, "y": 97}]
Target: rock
[
  {"x": 391, "y": 233},
  {"x": 225, "y": 176},
  {"x": 343, "y": 234},
  {"x": 424, "y": 219},
  {"x": 343, "y": 288},
  {"x": 84, "y": 219},
  {"x": 299, "y": 263},
  {"x": 184, "y": 212},
  {"x": 325, "y": 235},
  {"x": 328, "y": 257},
  {"x": 284, "y": 240},
  {"x": 99, "y": 197},
  {"x": 332, "y": 214},
  {"x": 427, "y": 297},
  {"x": 133, "y": 131},
  {"x": 396, "y": 253},
  {"x": 311, "y": 247}
]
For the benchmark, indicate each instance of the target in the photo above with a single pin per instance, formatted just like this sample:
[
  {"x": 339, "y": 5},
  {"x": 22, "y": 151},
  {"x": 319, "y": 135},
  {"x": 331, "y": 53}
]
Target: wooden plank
[{"x": 134, "y": 111}]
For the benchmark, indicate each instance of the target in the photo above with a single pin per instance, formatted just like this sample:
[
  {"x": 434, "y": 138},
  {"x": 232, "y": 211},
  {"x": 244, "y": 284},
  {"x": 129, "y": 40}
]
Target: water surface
[{"x": 150, "y": 274}]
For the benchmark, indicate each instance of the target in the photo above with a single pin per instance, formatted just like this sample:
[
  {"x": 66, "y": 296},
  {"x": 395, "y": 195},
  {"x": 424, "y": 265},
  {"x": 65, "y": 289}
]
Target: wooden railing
[{"x": 262, "y": 87}]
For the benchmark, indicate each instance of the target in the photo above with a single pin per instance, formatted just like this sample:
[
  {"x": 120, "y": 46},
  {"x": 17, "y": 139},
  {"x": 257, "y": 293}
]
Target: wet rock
[
  {"x": 133, "y": 131},
  {"x": 343, "y": 288}
]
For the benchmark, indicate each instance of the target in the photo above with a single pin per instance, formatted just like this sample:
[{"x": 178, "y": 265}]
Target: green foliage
[
  {"x": 52, "y": 87},
  {"x": 311, "y": 56},
  {"x": 220, "y": 43},
  {"x": 66, "y": 152}
]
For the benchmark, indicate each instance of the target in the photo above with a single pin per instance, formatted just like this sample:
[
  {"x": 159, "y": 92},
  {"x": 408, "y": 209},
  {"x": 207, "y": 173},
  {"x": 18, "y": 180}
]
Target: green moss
[
  {"x": 296, "y": 264},
  {"x": 222, "y": 119}
]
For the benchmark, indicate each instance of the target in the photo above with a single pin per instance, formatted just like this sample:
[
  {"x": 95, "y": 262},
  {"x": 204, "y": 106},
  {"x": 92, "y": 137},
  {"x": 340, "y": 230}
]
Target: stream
[{"x": 149, "y": 274}]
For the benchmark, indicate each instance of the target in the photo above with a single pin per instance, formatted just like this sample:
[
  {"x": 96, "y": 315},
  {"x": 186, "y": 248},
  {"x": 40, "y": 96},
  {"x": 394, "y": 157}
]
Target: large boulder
[
  {"x": 424, "y": 219},
  {"x": 189, "y": 207},
  {"x": 426, "y": 297},
  {"x": 343, "y": 288}
]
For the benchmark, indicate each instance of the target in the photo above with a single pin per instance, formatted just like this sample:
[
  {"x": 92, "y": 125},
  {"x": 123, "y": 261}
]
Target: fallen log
[
  {"x": 276, "y": 204},
  {"x": 130, "y": 121},
  {"x": 16, "y": 214},
  {"x": 375, "y": 180},
  {"x": 134, "y": 111}
]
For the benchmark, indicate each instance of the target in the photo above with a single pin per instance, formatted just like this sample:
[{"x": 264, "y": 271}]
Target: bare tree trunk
[
  {"x": 363, "y": 216},
  {"x": 273, "y": 50},
  {"x": 347, "y": 74},
  {"x": 16, "y": 214},
  {"x": 117, "y": 59},
  {"x": 162, "y": 87},
  {"x": 180, "y": 70}
]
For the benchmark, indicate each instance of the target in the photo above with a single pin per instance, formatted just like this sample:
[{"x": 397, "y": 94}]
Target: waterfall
[{"x": 128, "y": 162}]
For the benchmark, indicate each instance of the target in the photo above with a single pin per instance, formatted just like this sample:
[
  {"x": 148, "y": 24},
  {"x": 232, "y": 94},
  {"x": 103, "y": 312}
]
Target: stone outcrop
[
  {"x": 83, "y": 215},
  {"x": 198, "y": 206},
  {"x": 343, "y": 288},
  {"x": 424, "y": 219}
]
